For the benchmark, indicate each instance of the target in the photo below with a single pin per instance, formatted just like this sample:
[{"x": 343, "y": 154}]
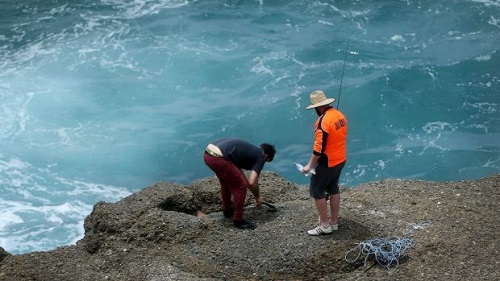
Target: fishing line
[
  {"x": 387, "y": 252},
  {"x": 343, "y": 70}
]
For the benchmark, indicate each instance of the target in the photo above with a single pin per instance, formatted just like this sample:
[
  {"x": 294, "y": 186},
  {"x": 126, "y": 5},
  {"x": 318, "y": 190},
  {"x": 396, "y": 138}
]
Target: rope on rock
[{"x": 386, "y": 251}]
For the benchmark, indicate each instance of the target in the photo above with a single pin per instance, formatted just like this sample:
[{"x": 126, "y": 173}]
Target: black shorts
[{"x": 325, "y": 181}]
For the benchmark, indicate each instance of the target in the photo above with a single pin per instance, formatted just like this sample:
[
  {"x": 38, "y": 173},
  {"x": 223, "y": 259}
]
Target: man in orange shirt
[{"x": 328, "y": 158}]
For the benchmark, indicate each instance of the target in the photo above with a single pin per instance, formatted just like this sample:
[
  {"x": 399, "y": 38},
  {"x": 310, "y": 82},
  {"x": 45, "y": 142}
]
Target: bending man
[{"x": 227, "y": 157}]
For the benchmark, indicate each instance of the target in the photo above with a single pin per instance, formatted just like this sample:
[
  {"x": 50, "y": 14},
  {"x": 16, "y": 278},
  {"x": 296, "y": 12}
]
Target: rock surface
[{"x": 154, "y": 235}]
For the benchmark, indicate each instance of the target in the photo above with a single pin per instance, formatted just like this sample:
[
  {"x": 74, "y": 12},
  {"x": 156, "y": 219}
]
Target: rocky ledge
[{"x": 154, "y": 234}]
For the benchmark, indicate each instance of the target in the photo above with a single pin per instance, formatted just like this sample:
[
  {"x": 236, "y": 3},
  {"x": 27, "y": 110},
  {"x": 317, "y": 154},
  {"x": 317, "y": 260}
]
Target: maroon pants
[{"x": 232, "y": 182}]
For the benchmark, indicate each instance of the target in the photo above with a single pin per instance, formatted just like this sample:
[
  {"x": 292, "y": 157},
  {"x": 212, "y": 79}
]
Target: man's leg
[
  {"x": 227, "y": 204},
  {"x": 317, "y": 191},
  {"x": 334, "y": 208},
  {"x": 233, "y": 182},
  {"x": 238, "y": 188},
  {"x": 334, "y": 191},
  {"x": 324, "y": 226},
  {"x": 220, "y": 166},
  {"x": 322, "y": 208},
  {"x": 238, "y": 184}
]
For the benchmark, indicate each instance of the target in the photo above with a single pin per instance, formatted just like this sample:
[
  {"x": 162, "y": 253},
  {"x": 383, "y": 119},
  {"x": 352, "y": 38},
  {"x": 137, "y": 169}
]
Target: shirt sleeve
[{"x": 259, "y": 165}]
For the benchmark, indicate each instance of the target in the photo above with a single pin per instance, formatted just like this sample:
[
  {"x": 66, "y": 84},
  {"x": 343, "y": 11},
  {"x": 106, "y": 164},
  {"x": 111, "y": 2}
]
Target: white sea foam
[
  {"x": 140, "y": 8},
  {"x": 486, "y": 107},
  {"x": 35, "y": 214},
  {"x": 488, "y": 3},
  {"x": 14, "y": 114},
  {"x": 8, "y": 218},
  {"x": 398, "y": 38},
  {"x": 26, "y": 226}
]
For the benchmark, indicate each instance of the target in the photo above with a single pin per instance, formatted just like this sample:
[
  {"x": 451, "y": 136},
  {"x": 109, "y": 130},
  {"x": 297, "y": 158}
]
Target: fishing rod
[{"x": 343, "y": 70}]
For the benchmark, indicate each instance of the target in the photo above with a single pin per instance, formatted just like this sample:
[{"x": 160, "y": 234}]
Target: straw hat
[{"x": 318, "y": 98}]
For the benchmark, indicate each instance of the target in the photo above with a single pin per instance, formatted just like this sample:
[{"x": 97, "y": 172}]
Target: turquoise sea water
[{"x": 103, "y": 98}]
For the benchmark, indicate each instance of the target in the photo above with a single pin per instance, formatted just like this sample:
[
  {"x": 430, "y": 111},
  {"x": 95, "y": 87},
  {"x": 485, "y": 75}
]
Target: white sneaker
[
  {"x": 334, "y": 226},
  {"x": 320, "y": 231}
]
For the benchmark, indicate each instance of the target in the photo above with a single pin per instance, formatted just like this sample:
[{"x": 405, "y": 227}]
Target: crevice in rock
[{"x": 179, "y": 203}]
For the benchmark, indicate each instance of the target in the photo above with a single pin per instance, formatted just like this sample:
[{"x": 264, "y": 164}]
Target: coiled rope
[{"x": 386, "y": 251}]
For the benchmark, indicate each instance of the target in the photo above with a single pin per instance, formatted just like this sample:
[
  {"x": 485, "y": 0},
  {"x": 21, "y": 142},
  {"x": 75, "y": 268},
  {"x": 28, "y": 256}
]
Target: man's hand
[
  {"x": 310, "y": 166},
  {"x": 258, "y": 202},
  {"x": 306, "y": 169}
]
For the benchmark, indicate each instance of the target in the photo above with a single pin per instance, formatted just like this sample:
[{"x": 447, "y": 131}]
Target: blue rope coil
[{"x": 386, "y": 251}]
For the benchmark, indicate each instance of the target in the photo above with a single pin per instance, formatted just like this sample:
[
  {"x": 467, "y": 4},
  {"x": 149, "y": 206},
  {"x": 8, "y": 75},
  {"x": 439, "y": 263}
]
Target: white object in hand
[{"x": 301, "y": 168}]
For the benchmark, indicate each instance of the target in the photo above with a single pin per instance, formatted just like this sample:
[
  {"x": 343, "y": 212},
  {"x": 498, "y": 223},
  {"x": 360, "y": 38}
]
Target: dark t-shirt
[{"x": 243, "y": 154}]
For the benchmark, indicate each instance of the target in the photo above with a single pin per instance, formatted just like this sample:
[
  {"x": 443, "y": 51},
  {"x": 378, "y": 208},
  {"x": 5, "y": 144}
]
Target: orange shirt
[{"x": 330, "y": 131}]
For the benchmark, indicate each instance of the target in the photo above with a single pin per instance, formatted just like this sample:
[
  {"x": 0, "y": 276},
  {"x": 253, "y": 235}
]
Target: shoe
[
  {"x": 243, "y": 224},
  {"x": 320, "y": 231},
  {"x": 228, "y": 213},
  {"x": 334, "y": 226}
]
